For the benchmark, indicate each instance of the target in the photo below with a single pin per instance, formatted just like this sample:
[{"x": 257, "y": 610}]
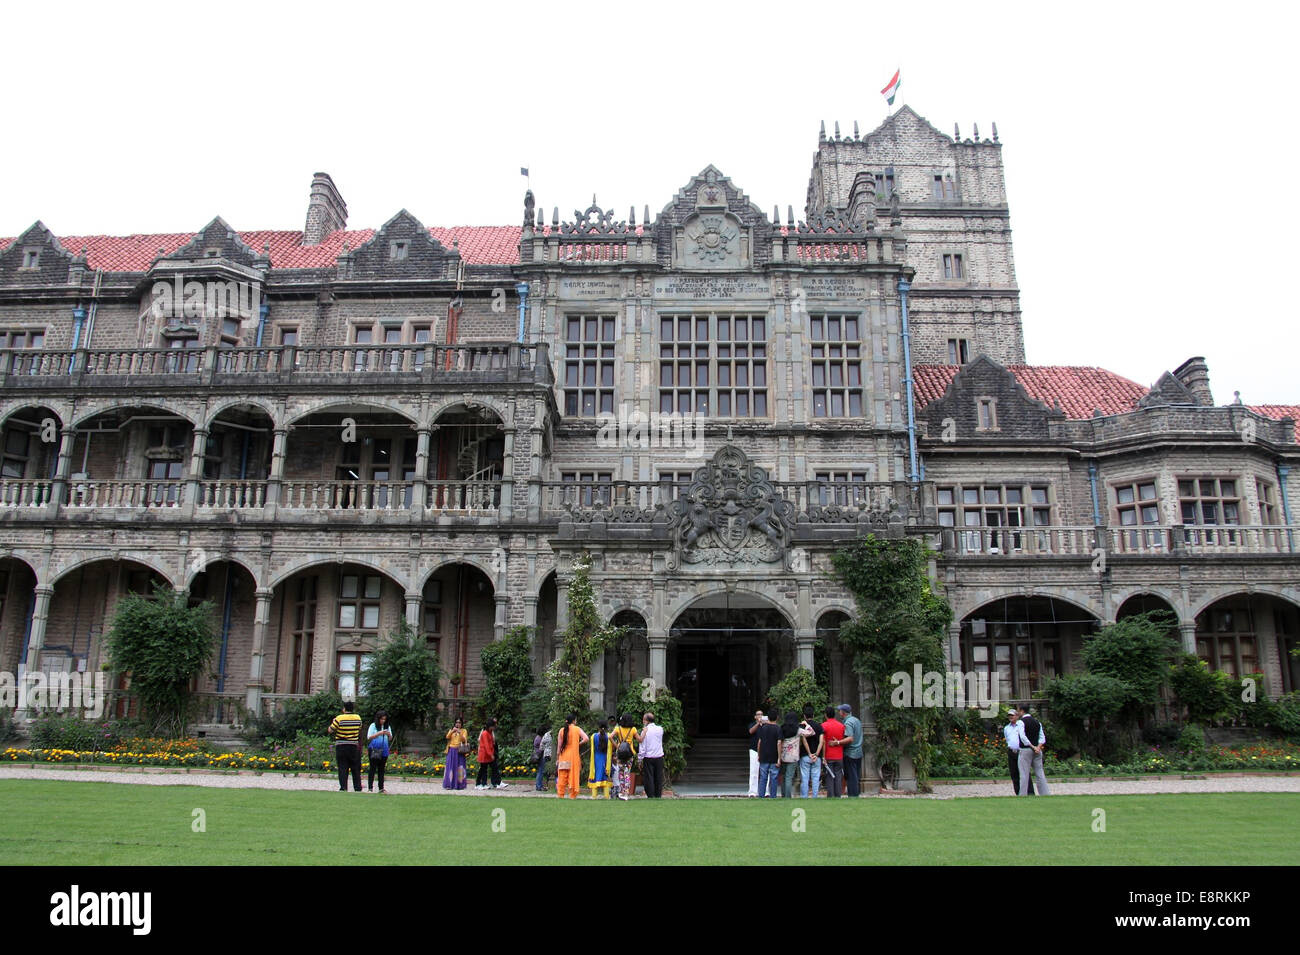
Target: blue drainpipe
[
  {"x": 521, "y": 289},
  {"x": 1283, "y": 471},
  {"x": 913, "y": 474},
  {"x": 1092, "y": 484},
  {"x": 78, "y": 320}
]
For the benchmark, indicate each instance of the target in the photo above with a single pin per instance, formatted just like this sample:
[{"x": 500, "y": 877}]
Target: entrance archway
[{"x": 725, "y": 651}]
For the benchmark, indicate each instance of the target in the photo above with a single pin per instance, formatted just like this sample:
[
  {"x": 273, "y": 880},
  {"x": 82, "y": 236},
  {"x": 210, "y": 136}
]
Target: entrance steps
[{"x": 714, "y": 760}]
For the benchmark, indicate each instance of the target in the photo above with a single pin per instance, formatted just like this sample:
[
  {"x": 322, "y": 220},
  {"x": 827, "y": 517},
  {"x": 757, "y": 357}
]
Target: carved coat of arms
[
  {"x": 712, "y": 237},
  {"x": 731, "y": 514}
]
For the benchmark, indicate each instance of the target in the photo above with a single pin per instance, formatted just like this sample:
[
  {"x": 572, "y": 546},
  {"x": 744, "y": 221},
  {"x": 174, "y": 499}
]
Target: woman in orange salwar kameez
[{"x": 568, "y": 761}]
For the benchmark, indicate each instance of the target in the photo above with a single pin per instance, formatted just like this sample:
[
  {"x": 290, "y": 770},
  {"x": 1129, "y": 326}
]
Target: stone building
[{"x": 329, "y": 430}]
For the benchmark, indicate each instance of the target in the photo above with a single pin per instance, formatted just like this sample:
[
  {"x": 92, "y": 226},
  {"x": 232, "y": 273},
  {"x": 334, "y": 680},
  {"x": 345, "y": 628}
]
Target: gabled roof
[
  {"x": 1078, "y": 389},
  {"x": 478, "y": 245}
]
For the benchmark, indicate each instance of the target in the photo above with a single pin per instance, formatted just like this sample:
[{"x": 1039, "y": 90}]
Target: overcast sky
[{"x": 1149, "y": 148}]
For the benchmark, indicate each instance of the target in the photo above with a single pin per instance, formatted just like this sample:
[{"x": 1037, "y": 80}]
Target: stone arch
[
  {"x": 469, "y": 559},
  {"x": 191, "y": 571},
  {"x": 1086, "y": 604},
  {"x": 97, "y": 408},
  {"x": 10, "y": 408},
  {"x": 452, "y": 402},
  {"x": 132, "y": 556},
  {"x": 1021, "y": 648},
  {"x": 1262, "y": 639},
  {"x": 215, "y": 411},
  {"x": 309, "y": 562},
  {"x": 1291, "y": 596},
  {"x": 686, "y": 603},
  {"x": 1140, "y": 600},
  {"x": 333, "y": 403}
]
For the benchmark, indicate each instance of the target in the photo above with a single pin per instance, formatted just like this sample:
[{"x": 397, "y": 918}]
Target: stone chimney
[
  {"x": 1195, "y": 376},
  {"x": 326, "y": 210}
]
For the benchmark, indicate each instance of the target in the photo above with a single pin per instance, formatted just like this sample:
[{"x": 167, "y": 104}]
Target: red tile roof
[
  {"x": 478, "y": 245},
  {"x": 1078, "y": 389},
  {"x": 1278, "y": 412}
]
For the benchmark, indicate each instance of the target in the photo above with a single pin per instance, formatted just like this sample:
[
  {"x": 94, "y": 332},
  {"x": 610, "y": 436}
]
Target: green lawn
[{"x": 71, "y": 823}]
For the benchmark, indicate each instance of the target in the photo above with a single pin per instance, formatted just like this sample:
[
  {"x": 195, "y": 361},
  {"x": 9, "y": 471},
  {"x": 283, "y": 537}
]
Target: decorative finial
[
  {"x": 956, "y": 132},
  {"x": 529, "y": 204},
  {"x": 631, "y": 218},
  {"x": 855, "y": 129},
  {"x": 555, "y": 217},
  {"x": 837, "y": 130},
  {"x": 345, "y": 248},
  {"x": 895, "y": 212},
  {"x": 266, "y": 248},
  {"x": 977, "y": 131},
  {"x": 541, "y": 220},
  {"x": 821, "y": 135},
  {"x": 789, "y": 216},
  {"x": 776, "y": 215},
  {"x": 645, "y": 219},
  {"x": 1236, "y": 397},
  {"x": 995, "y": 132},
  {"x": 593, "y": 201}
]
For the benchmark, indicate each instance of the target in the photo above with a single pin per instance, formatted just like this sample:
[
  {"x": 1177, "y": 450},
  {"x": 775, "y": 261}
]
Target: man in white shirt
[
  {"x": 651, "y": 743},
  {"x": 1016, "y": 740}
]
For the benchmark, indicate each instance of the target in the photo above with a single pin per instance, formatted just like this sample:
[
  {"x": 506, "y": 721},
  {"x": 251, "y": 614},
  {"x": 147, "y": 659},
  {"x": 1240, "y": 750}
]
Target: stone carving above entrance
[{"x": 730, "y": 514}]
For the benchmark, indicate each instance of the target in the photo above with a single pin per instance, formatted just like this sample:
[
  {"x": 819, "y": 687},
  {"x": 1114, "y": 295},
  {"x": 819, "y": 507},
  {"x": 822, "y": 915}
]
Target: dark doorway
[{"x": 717, "y": 685}]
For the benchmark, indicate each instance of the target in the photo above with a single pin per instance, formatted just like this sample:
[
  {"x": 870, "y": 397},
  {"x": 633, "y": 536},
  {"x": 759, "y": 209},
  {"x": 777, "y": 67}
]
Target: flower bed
[
  {"x": 986, "y": 757},
  {"x": 187, "y": 757}
]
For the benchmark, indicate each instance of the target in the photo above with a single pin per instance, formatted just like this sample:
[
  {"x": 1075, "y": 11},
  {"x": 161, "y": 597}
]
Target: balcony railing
[
  {"x": 17, "y": 492},
  {"x": 232, "y": 495},
  {"x": 40, "y": 369},
  {"x": 878, "y": 503},
  {"x": 88, "y": 495},
  {"x": 1152, "y": 540}
]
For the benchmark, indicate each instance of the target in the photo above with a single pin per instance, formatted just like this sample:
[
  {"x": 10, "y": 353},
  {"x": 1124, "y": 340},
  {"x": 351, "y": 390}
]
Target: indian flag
[{"x": 891, "y": 90}]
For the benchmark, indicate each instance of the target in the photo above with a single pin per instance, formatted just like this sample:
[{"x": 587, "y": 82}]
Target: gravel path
[{"x": 245, "y": 779}]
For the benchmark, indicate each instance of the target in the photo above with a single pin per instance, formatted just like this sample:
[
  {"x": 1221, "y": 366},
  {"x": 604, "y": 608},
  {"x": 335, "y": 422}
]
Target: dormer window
[
  {"x": 31, "y": 258},
  {"x": 987, "y": 414},
  {"x": 397, "y": 251},
  {"x": 212, "y": 253}
]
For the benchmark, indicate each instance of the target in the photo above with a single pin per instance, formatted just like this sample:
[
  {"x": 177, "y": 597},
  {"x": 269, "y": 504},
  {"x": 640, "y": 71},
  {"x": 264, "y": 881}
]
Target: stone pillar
[
  {"x": 596, "y": 684},
  {"x": 261, "y": 626},
  {"x": 419, "y": 487},
  {"x": 952, "y": 658},
  {"x": 870, "y": 734},
  {"x": 1188, "y": 631},
  {"x": 658, "y": 641},
  {"x": 499, "y": 626},
  {"x": 414, "y": 604},
  {"x": 195, "y": 474},
  {"x": 276, "y": 477},
  {"x": 561, "y": 604},
  {"x": 530, "y": 611},
  {"x": 804, "y": 641},
  {"x": 59, "y": 488},
  {"x": 506, "y": 507}
]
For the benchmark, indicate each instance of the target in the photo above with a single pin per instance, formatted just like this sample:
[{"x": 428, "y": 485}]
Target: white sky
[{"x": 1149, "y": 148}]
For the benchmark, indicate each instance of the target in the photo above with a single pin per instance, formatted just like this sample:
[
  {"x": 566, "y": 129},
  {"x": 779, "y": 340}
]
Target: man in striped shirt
[{"x": 346, "y": 730}]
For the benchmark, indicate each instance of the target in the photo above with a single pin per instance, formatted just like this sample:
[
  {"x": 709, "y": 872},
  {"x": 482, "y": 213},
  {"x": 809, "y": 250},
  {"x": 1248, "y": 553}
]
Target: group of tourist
[
  {"x": 1025, "y": 742},
  {"x": 613, "y": 757},
  {"x": 346, "y": 732},
  {"x": 829, "y": 748}
]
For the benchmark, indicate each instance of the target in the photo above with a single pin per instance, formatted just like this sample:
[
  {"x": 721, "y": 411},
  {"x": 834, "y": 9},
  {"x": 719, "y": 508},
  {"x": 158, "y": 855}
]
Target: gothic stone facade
[{"x": 329, "y": 431}]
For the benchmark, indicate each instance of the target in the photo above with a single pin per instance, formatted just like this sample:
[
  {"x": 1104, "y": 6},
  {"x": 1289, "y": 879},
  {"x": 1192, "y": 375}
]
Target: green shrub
[
  {"x": 797, "y": 689},
  {"x": 1191, "y": 739},
  {"x": 533, "y": 710},
  {"x": 1207, "y": 695},
  {"x": 51, "y": 731},
  {"x": 1286, "y": 715},
  {"x": 310, "y": 716},
  {"x": 508, "y": 675},
  {"x": 402, "y": 679},
  {"x": 668, "y": 714},
  {"x": 1136, "y": 651},
  {"x": 1086, "y": 705}
]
